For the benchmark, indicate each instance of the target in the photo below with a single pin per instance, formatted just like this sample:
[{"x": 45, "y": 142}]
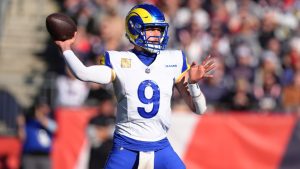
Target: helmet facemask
[
  {"x": 143, "y": 41},
  {"x": 154, "y": 46}
]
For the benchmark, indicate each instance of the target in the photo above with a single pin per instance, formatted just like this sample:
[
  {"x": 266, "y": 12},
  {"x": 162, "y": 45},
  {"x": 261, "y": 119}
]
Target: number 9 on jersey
[{"x": 153, "y": 100}]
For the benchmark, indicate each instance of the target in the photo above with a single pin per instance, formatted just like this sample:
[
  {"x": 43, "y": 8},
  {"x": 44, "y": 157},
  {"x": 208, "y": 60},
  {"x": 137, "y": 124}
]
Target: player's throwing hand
[{"x": 66, "y": 45}]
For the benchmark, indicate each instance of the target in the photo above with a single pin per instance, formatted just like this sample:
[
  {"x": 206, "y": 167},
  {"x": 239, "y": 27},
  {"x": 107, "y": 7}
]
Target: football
[{"x": 60, "y": 26}]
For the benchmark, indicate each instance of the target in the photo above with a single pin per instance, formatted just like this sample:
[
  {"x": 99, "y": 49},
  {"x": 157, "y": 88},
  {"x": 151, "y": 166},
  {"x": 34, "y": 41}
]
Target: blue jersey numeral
[{"x": 153, "y": 100}]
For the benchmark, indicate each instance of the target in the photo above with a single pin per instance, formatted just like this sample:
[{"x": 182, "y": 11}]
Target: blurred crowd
[{"x": 256, "y": 44}]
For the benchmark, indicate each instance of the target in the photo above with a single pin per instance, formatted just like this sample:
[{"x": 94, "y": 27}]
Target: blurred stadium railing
[{"x": 3, "y": 9}]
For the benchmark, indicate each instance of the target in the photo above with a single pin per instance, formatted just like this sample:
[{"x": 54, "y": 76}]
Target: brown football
[{"x": 60, "y": 26}]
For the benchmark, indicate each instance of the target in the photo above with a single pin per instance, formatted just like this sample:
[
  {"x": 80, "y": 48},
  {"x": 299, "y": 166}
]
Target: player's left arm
[{"x": 189, "y": 88}]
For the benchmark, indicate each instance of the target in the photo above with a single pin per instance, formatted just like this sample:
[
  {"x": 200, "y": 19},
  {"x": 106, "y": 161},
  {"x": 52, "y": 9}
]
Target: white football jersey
[{"x": 144, "y": 92}]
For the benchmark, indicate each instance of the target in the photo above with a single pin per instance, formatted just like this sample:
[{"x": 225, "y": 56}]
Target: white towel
[{"x": 146, "y": 160}]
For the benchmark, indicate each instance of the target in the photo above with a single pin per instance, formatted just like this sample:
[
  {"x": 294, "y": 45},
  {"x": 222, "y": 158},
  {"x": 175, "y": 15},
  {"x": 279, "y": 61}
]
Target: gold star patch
[{"x": 125, "y": 63}]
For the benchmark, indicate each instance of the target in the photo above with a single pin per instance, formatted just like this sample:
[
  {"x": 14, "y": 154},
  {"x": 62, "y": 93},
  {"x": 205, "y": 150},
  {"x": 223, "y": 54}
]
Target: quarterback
[{"x": 143, "y": 80}]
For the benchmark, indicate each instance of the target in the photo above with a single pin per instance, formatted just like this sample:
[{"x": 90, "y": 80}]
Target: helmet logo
[{"x": 138, "y": 26}]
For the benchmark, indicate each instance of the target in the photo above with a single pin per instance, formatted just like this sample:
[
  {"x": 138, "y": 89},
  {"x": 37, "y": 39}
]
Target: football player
[{"x": 143, "y": 80}]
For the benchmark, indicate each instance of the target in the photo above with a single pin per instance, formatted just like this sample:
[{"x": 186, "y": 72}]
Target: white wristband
[
  {"x": 198, "y": 98},
  {"x": 194, "y": 90}
]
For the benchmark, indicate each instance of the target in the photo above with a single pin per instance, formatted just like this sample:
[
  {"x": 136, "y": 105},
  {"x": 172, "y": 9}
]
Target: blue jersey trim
[
  {"x": 107, "y": 60},
  {"x": 145, "y": 57},
  {"x": 184, "y": 65},
  {"x": 136, "y": 145}
]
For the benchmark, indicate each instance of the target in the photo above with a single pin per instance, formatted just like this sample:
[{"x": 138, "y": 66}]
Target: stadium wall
[{"x": 213, "y": 141}]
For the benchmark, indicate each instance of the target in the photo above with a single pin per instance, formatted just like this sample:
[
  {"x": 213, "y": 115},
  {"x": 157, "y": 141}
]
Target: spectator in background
[
  {"x": 218, "y": 10},
  {"x": 193, "y": 11},
  {"x": 274, "y": 45},
  {"x": 10, "y": 115},
  {"x": 111, "y": 30},
  {"x": 39, "y": 130},
  {"x": 243, "y": 68},
  {"x": 269, "y": 65},
  {"x": 241, "y": 98},
  {"x": 270, "y": 62},
  {"x": 100, "y": 131},
  {"x": 268, "y": 94},
  {"x": 11, "y": 133},
  {"x": 219, "y": 43},
  {"x": 216, "y": 88},
  {"x": 291, "y": 61},
  {"x": 245, "y": 31},
  {"x": 267, "y": 87},
  {"x": 70, "y": 91},
  {"x": 193, "y": 40},
  {"x": 267, "y": 29},
  {"x": 291, "y": 96}
]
